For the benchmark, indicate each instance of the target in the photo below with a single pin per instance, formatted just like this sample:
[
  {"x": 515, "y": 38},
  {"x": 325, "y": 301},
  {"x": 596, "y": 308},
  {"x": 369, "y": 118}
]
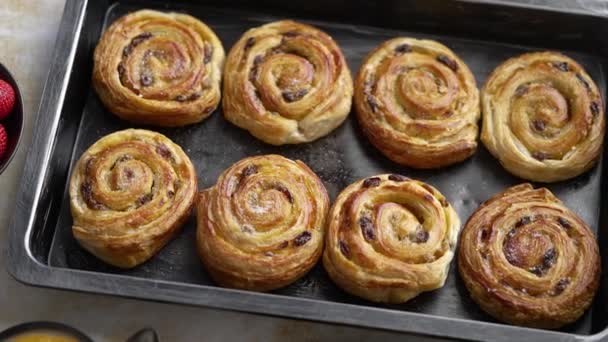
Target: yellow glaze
[{"x": 42, "y": 337}]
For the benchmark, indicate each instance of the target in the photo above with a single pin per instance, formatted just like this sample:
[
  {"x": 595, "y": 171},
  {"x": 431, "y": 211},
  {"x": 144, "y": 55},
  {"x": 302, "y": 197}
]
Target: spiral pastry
[
  {"x": 418, "y": 103},
  {"x": 390, "y": 238},
  {"x": 159, "y": 68},
  {"x": 528, "y": 260},
  {"x": 286, "y": 83},
  {"x": 261, "y": 226},
  {"x": 543, "y": 117},
  {"x": 130, "y": 193}
]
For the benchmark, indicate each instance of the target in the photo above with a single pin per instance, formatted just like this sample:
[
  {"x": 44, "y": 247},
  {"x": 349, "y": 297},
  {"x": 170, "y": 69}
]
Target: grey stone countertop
[{"x": 28, "y": 30}]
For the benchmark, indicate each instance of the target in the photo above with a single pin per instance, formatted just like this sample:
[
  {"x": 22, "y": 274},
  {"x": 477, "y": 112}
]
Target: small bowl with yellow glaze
[{"x": 43, "y": 332}]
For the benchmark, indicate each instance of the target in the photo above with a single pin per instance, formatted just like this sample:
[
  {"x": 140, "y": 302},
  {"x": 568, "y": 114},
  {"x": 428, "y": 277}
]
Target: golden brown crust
[
  {"x": 286, "y": 83},
  {"x": 261, "y": 227},
  {"x": 418, "y": 103},
  {"x": 528, "y": 260},
  {"x": 130, "y": 193},
  {"x": 543, "y": 117},
  {"x": 390, "y": 238},
  {"x": 159, "y": 68}
]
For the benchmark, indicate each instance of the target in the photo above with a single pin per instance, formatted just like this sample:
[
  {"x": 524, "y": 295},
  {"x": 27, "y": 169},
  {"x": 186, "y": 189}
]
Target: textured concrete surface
[{"x": 27, "y": 35}]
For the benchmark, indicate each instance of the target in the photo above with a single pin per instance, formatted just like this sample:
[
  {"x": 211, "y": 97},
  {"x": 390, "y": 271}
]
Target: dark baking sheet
[{"x": 339, "y": 159}]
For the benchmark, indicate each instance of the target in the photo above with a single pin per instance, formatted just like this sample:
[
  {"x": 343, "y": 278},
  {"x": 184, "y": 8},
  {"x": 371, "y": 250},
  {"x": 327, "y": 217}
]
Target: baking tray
[{"x": 43, "y": 252}]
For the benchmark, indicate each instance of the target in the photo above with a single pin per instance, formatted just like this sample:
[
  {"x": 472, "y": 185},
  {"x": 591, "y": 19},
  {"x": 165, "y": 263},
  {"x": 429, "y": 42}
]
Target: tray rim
[{"x": 22, "y": 265}]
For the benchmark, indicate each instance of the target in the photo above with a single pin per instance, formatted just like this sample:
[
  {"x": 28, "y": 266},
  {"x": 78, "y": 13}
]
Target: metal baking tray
[{"x": 43, "y": 252}]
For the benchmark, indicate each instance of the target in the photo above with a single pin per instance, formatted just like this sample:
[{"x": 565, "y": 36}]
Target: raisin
[
  {"x": 88, "y": 166},
  {"x": 163, "y": 151},
  {"x": 195, "y": 95},
  {"x": 595, "y": 108},
  {"x": 549, "y": 258},
  {"x": 562, "y": 66},
  {"x": 444, "y": 202},
  {"x": 303, "y": 238},
  {"x": 510, "y": 233},
  {"x": 141, "y": 38},
  {"x": 291, "y": 96},
  {"x": 344, "y": 248},
  {"x": 523, "y": 221},
  {"x": 249, "y": 43},
  {"x": 538, "y": 125},
  {"x": 564, "y": 223},
  {"x": 170, "y": 193},
  {"x": 368, "y": 84},
  {"x": 510, "y": 254},
  {"x": 146, "y": 79},
  {"x": 583, "y": 81},
  {"x": 134, "y": 42},
  {"x": 121, "y": 70},
  {"x": 86, "y": 189},
  {"x": 367, "y": 228},
  {"x": 284, "y": 244},
  {"x": 371, "y": 182},
  {"x": 191, "y": 97},
  {"x": 521, "y": 90},
  {"x": 397, "y": 178},
  {"x": 253, "y": 74},
  {"x": 124, "y": 158},
  {"x": 291, "y": 34},
  {"x": 208, "y": 51},
  {"x": 403, "y": 48},
  {"x": 87, "y": 192},
  {"x": 249, "y": 170},
  {"x": 450, "y": 63},
  {"x": 539, "y": 155},
  {"x": 143, "y": 200},
  {"x": 373, "y": 104},
  {"x": 246, "y": 228},
  {"x": 561, "y": 286},
  {"x": 421, "y": 235},
  {"x": 485, "y": 234},
  {"x": 537, "y": 270},
  {"x": 129, "y": 174},
  {"x": 285, "y": 191}
]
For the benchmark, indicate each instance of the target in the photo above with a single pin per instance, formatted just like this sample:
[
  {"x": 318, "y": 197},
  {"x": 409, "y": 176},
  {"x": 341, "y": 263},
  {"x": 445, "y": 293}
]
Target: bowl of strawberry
[{"x": 11, "y": 117}]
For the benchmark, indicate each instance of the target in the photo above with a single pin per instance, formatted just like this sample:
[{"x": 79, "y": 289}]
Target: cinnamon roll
[
  {"x": 159, "y": 68},
  {"x": 418, "y": 103},
  {"x": 390, "y": 238},
  {"x": 528, "y": 260},
  {"x": 286, "y": 83},
  {"x": 543, "y": 117},
  {"x": 261, "y": 226},
  {"x": 130, "y": 193}
]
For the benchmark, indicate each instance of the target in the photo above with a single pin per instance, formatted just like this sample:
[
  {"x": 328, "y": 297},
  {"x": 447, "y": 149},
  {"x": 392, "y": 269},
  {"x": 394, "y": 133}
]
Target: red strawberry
[
  {"x": 7, "y": 99},
  {"x": 3, "y": 142}
]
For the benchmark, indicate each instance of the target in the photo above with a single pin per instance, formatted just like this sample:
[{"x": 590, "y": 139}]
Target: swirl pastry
[
  {"x": 390, "y": 238},
  {"x": 159, "y": 68},
  {"x": 130, "y": 193},
  {"x": 528, "y": 260},
  {"x": 543, "y": 117},
  {"x": 261, "y": 226},
  {"x": 418, "y": 103},
  {"x": 286, "y": 83}
]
